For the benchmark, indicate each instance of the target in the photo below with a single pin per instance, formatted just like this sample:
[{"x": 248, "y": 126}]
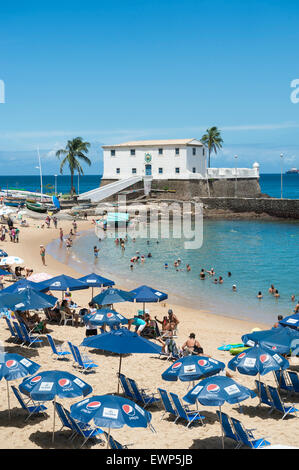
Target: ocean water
[
  {"x": 270, "y": 184},
  {"x": 257, "y": 253}
]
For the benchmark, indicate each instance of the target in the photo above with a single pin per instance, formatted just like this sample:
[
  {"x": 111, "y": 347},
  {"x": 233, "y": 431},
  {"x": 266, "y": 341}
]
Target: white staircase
[{"x": 98, "y": 194}]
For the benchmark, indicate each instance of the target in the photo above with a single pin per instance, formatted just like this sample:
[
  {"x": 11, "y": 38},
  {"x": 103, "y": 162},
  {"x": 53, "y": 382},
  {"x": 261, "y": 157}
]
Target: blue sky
[{"x": 116, "y": 70}]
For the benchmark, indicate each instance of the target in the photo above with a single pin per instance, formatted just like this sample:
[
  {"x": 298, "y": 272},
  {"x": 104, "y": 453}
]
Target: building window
[
  {"x": 134, "y": 171},
  {"x": 194, "y": 169},
  {"x": 160, "y": 151},
  {"x": 177, "y": 151},
  {"x": 194, "y": 151},
  {"x": 117, "y": 170},
  {"x": 112, "y": 153},
  {"x": 160, "y": 171},
  {"x": 177, "y": 170},
  {"x": 132, "y": 151}
]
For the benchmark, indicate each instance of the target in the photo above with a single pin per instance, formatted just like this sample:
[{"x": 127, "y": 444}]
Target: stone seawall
[
  {"x": 187, "y": 189},
  {"x": 285, "y": 208}
]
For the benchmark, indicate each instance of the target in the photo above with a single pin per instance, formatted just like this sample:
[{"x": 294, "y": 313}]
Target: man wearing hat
[{"x": 173, "y": 318}]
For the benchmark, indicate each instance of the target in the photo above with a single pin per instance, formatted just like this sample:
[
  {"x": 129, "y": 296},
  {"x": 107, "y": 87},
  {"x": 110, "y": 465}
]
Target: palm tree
[
  {"x": 74, "y": 151},
  {"x": 212, "y": 140}
]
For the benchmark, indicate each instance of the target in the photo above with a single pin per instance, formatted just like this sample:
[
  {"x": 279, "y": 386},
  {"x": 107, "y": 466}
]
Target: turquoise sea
[{"x": 257, "y": 253}]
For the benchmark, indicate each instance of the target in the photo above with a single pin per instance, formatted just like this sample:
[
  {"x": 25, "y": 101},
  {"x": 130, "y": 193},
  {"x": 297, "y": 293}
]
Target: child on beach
[{"x": 95, "y": 251}]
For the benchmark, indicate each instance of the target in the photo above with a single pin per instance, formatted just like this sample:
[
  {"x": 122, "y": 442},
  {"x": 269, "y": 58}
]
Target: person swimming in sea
[
  {"x": 259, "y": 295},
  {"x": 202, "y": 274}
]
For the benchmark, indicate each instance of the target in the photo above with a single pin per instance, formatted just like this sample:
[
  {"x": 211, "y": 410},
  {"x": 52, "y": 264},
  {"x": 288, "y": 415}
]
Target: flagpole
[{"x": 41, "y": 176}]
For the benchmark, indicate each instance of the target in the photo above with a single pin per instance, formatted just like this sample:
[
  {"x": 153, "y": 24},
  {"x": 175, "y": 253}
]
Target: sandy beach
[{"x": 211, "y": 330}]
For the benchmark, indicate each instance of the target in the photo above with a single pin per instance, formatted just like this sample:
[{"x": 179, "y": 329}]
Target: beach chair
[
  {"x": 281, "y": 380},
  {"x": 182, "y": 413},
  {"x": 113, "y": 444},
  {"x": 293, "y": 377},
  {"x": 63, "y": 417},
  {"x": 125, "y": 386},
  {"x": 65, "y": 318},
  {"x": 279, "y": 404},
  {"x": 20, "y": 336},
  {"x": 246, "y": 437},
  {"x": 34, "y": 409},
  {"x": 84, "y": 362},
  {"x": 167, "y": 403},
  {"x": 57, "y": 352},
  {"x": 141, "y": 397},
  {"x": 86, "y": 432},
  {"x": 264, "y": 394},
  {"x": 227, "y": 428},
  {"x": 13, "y": 334},
  {"x": 29, "y": 339},
  {"x": 71, "y": 346}
]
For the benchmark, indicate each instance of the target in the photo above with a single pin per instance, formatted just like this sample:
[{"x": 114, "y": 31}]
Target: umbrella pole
[
  {"x": 54, "y": 418},
  {"x": 260, "y": 389},
  {"x": 108, "y": 439},
  {"x": 143, "y": 307},
  {"x": 120, "y": 357},
  {"x": 222, "y": 437},
  {"x": 8, "y": 399},
  {"x": 91, "y": 293}
]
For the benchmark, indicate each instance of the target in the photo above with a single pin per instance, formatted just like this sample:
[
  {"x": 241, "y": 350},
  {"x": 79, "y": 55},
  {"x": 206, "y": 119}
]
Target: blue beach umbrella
[
  {"x": 19, "y": 286},
  {"x": 95, "y": 280},
  {"x": 292, "y": 321},
  {"x": 28, "y": 299},
  {"x": 105, "y": 316},
  {"x": 277, "y": 339},
  {"x": 215, "y": 391},
  {"x": 257, "y": 361},
  {"x": 112, "y": 296},
  {"x": 147, "y": 294},
  {"x": 121, "y": 341},
  {"x": 62, "y": 283},
  {"x": 191, "y": 368},
  {"x": 111, "y": 411},
  {"x": 13, "y": 367},
  {"x": 48, "y": 385}
]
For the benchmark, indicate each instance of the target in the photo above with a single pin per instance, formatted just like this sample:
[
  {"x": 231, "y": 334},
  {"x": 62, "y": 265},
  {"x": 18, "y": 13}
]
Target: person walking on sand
[
  {"x": 55, "y": 221},
  {"x": 61, "y": 235},
  {"x": 43, "y": 254},
  {"x": 96, "y": 251}
]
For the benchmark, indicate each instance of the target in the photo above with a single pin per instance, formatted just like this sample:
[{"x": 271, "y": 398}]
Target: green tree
[
  {"x": 212, "y": 140},
  {"x": 74, "y": 151}
]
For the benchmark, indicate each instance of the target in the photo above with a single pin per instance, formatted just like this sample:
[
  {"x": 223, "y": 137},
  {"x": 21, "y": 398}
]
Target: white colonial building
[
  {"x": 165, "y": 159},
  {"x": 161, "y": 159}
]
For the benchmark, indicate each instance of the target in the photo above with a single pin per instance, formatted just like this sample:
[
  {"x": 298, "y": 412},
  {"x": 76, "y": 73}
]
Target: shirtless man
[{"x": 192, "y": 346}]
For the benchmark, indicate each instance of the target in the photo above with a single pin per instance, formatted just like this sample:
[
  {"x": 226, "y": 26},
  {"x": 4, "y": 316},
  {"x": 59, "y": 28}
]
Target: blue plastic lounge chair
[
  {"x": 263, "y": 394},
  {"x": 57, "y": 352},
  {"x": 87, "y": 433},
  {"x": 19, "y": 333},
  {"x": 279, "y": 405},
  {"x": 190, "y": 416},
  {"x": 293, "y": 376},
  {"x": 63, "y": 417},
  {"x": 227, "y": 428},
  {"x": 84, "y": 362},
  {"x": 71, "y": 346},
  {"x": 125, "y": 386},
  {"x": 37, "y": 408},
  {"x": 246, "y": 437},
  {"x": 14, "y": 336},
  {"x": 167, "y": 403},
  {"x": 29, "y": 339},
  {"x": 113, "y": 444},
  {"x": 281, "y": 381},
  {"x": 140, "y": 395}
]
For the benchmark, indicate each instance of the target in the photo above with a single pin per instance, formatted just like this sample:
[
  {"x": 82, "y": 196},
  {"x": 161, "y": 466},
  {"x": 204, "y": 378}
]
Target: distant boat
[
  {"x": 40, "y": 207},
  {"x": 292, "y": 171}
]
